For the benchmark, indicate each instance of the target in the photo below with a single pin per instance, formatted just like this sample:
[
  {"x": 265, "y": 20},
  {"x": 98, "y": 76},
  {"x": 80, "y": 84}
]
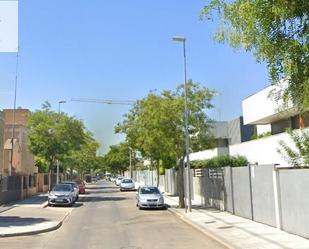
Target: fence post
[
  {"x": 250, "y": 186},
  {"x": 278, "y": 210},
  {"x": 232, "y": 189}
]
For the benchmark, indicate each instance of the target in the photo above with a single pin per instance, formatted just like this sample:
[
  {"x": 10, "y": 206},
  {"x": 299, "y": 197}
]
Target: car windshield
[
  {"x": 62, "y": 187},
  {"x": 127, "y": 181},
  {"x": 73, "y": 184},
  {"x": 120, "y": 178},
  {"x": 149, "y": 190}
]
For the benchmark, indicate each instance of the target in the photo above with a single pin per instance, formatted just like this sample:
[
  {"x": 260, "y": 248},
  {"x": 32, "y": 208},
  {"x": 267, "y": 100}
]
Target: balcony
[{"x": 261, "y": 108}]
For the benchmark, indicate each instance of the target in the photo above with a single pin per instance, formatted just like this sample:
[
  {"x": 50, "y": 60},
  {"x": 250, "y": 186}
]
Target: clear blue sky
[{"x": 120, "y": 50}]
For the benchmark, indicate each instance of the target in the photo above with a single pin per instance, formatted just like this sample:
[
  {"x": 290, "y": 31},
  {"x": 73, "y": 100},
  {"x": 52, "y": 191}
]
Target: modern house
[
  {"x": 226, "y": 134},
  {"x": 269, "y": 121}
]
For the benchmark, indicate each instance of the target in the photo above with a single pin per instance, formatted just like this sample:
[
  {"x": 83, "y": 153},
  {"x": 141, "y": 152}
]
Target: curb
[
  {"x": 44, "y": 230},
  {"x": 200, "y": 229},
  {"x": 44, "y": 205}
]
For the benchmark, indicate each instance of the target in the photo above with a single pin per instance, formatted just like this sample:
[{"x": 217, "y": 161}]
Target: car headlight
[{"x": 161, "y": 199}]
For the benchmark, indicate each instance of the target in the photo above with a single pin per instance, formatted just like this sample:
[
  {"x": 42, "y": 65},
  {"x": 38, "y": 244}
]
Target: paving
[
  {"x": 30, "y": 216},
  {"x": 236, "y": 232}
]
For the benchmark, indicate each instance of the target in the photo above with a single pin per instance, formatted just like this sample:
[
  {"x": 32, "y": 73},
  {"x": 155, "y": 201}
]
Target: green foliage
[
  {"x": 264, "y": 134},
  {"x": 298, "y": 157},
  {"x": 220, "y": 161},
  {"x": 117, "y": 160},
  {"x": 53, "y": 136},
  {"x": 276, "y": 32},
  {"x": 155, "y": 125}
]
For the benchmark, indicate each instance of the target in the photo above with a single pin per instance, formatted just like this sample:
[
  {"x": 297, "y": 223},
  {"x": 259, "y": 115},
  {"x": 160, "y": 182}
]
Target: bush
[{"x": 220, "y": 161}]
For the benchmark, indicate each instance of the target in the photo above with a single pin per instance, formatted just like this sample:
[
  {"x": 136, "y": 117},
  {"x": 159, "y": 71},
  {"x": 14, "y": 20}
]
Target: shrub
[{"x": 220, "y": 161}]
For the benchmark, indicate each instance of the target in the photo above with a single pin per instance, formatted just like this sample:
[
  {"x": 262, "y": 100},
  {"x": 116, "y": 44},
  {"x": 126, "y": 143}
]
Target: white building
[{"x": 269, "y": 117}]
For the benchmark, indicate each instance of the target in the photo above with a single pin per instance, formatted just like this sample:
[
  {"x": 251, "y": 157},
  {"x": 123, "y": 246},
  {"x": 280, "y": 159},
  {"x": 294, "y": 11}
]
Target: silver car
[
  {"x": 75, "y": 187},
  {"x": 61, "y": 194},
  {"x": 149, "y": 197},
  {"x": 127, "y": 184}
]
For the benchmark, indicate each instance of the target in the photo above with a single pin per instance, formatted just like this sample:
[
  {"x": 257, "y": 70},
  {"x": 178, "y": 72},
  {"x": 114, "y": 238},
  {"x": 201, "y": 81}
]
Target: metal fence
[{"x": 10, "y": 189}]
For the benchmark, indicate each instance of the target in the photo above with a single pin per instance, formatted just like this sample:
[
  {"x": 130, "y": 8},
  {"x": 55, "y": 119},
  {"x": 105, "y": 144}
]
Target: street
[{"x": 108, "y": 218}]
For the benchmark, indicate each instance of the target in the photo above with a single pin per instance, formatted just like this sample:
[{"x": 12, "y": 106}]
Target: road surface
[{"x": 107, "y": 218}]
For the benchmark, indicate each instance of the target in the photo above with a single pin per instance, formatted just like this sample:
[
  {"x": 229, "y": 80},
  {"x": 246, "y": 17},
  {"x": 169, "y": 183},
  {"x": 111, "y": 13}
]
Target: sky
[{"x": 120, "y": 50}]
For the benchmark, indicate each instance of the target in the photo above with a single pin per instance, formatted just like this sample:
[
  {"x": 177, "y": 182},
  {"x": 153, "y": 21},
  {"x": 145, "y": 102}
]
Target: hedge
[{"x": 220, "y": 161}]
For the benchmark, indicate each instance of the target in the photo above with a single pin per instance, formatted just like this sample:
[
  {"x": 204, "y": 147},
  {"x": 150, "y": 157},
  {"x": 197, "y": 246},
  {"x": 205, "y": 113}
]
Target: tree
[
  {"x": 85, "y": 159},
  {"x": 155, "y": 125},
  {"x": 276, "y": 32},
  {"x": 52, "y": 136},
  {"x": 117, "y": 159},
  {"x": 298, "y": 157}
]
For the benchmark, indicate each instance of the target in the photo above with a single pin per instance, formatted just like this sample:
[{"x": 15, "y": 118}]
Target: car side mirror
[{"x": 162, "y": 193}]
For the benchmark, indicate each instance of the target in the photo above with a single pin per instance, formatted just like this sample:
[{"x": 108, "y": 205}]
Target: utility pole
[
  {"x": 188, "y": 176},
  {"x": 59, "y": 112}
]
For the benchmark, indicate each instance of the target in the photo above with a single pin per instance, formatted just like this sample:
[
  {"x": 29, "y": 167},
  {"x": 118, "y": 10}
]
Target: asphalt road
[{"x": 107, "y": 218}]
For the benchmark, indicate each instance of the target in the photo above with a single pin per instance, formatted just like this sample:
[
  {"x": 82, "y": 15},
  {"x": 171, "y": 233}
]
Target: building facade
[
  {"x": 266, "y": 118},
  {"x": 23, "y": 160}
]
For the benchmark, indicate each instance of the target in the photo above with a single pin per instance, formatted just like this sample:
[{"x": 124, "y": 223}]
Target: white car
[
  {"x": 118, "y": 180},
  {"x": 127, "y": 184}
]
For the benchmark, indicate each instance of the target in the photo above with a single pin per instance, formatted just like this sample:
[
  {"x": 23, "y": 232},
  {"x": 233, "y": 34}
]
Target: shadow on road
[
  {"x": 104, "y": 191},
  {"x": 98, "y": 198},
  {"x": 6, "y": 221},
  {"x": 102, "y": 187}
]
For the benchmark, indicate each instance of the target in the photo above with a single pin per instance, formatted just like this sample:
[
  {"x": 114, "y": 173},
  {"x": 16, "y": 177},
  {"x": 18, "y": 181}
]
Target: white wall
[
  {"x": 207, "y": 154},
  {"x": 260, "y": 129},
  {"x": 263, "y": 150},
  {"x": 260, "y": 108}
]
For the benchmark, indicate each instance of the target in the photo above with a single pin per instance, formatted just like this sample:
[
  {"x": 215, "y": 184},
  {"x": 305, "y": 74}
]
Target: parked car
[
  {"x": 75, "y": 187},
  {"x": 149, "y": 197},
  {"x": 81, "y": 186},
  {"x": 127, "y": 184},
  {"x": 61, "y": 194},
  {"x": 118, "y": 180},
  {"x": 113, "y": 178}
]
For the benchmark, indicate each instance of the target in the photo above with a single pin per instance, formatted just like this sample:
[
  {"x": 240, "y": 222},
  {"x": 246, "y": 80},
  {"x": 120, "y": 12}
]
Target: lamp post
[
  {"x": 59, "y": 104},
  {"x": 188, "y": 185}
]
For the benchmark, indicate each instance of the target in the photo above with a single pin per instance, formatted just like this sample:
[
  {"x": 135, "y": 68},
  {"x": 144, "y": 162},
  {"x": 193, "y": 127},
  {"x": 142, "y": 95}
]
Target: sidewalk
[
  {"x": 236, "y": 232},
  {"x": 30, "y": 216}
]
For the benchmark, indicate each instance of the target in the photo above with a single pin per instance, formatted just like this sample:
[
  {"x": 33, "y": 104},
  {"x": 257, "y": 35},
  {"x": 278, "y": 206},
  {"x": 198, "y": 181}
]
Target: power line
[{"x": 104, "y": 101}]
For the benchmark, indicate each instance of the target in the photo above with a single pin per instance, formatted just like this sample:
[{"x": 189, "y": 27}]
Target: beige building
[
  {"x": 1, "y": 140},
  {"x": 23, "y": 160}
]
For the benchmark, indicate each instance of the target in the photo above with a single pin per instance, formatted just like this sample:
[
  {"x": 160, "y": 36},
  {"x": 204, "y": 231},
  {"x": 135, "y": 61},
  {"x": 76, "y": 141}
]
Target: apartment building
[{"x": 23, "y": 160}]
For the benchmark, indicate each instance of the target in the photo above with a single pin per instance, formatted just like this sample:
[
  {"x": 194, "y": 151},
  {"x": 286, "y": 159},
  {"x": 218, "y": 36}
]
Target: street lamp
[
  {"x": 59, "y": 104},
  {"x": 188, "y": 187}
]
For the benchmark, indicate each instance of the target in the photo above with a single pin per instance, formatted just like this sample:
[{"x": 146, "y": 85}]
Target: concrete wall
[
  {"x": 241, "y": 186},
  {"x": 263, "y": 200},
  {"x": 249, "y": 192},
  {"x": 294, "y": 189},
  {"x": 171, "y": 181}
]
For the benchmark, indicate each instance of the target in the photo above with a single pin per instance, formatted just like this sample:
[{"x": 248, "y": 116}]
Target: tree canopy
[
  {"x": 57, "y": 136},
  {"x": 155, "y": 125},
  {"x": 277, "y": 32}
]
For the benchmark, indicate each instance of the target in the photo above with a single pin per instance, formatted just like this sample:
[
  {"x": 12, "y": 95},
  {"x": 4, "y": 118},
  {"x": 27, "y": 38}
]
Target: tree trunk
[{"x": 181, "y": 193}]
